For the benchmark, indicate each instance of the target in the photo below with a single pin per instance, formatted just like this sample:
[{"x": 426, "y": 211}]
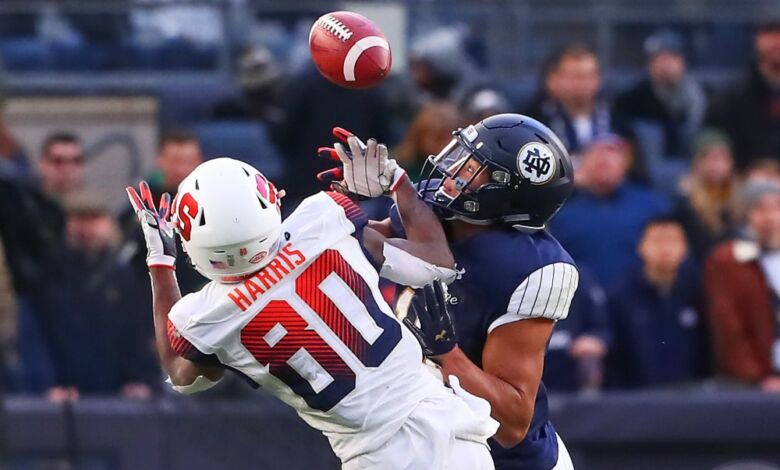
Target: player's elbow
[
  {"x": 179, "y": 379},
  {"x": 439, "y": 255},
  {"x": 447, "y": 259},
  {"x": 511, "y": 434}
]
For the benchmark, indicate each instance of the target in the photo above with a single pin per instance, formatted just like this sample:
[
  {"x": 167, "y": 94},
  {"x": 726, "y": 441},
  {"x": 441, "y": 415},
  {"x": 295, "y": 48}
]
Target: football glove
[
  {"x": 366, "y": 169},
  {"x": 160, "y": 241},
  {"x": 436, "y": 331}
]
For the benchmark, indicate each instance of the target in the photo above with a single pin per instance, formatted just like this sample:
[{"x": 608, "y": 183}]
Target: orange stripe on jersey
[
  {"x": 179, "y": 343},
  {"x": 187, "y": 350},
  {"x": 354, "y": 213}
]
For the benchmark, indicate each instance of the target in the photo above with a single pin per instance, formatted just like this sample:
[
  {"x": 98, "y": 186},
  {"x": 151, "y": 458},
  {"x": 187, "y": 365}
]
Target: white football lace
[{"x": 335, "y": 27}]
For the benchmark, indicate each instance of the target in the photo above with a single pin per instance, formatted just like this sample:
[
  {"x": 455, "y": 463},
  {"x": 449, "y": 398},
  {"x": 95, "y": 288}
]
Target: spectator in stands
[
  {"x": 707, "y": 194},
  {"x": 179, "y": 153},
  {"x": 749, "y": 112},
  {"x": 32, "y": 229},
  {"x": 312, "y": 107},
  {"x": 13, "y": 161},
  {"x": 61, "y": 165},
  {"x": 8, "y": 324},
  {"x": 766, "y": 169},
  {"x": 440, "y": 67},
  {"x": 578, "y": 345},
  {"x": 573, "y": 108},
  {"x": 99, "y": 341},
  {"x": 668, "y": 97},
  {"x": 602, "y": 221},
  {"x": 31, "y": 215},
  {"x": 742, "y": 285},
  {"x": 658, "y": 338},
  {"x": 428, "y": 133},
  {"x": 261, "y": 79},
  {"x": 547, "y": 88},
  {"x": 483, "y": 103}
]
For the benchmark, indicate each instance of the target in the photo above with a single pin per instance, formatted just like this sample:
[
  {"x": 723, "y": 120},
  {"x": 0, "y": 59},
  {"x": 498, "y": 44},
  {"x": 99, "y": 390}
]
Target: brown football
[{"x": 349, "y": 50}]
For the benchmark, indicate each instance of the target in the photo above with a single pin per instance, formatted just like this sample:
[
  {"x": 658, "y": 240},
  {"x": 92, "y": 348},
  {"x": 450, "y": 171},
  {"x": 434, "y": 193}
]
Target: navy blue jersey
[{"x": 507, "y": 275}]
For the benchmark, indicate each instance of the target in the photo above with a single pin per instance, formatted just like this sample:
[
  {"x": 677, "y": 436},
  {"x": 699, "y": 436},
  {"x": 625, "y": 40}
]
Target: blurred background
[{"x": 670, "y": 357}]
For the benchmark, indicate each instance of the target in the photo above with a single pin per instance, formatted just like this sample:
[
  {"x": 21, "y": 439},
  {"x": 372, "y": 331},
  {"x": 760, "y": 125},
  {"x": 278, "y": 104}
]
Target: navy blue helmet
[{"x": 507, "y": 169}]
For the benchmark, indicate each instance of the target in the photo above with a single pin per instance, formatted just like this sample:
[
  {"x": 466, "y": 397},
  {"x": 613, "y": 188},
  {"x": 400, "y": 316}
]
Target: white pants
[
  {"x": 438, "y": 435},
  {"x": 564, "y": 459}
]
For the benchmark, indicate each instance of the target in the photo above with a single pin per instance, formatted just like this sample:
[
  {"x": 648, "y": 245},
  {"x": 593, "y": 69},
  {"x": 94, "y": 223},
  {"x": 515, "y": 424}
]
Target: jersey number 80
[{"x": 279, "y": 338}]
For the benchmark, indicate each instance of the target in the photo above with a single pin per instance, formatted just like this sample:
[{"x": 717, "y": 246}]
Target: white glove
[
  {"x": 160, "y": 241},
  {"x": 367, "y": 170}
]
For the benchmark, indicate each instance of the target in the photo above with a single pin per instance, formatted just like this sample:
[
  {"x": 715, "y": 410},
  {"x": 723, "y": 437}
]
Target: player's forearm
[
  {"x": 165, "y": 293},
  {"x": 511, "y": 407},
  {"x": 425, "y": 237}
]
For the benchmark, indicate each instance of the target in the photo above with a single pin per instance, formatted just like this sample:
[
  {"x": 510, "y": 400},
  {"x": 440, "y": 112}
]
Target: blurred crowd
[{"x": 674, "y": 223}]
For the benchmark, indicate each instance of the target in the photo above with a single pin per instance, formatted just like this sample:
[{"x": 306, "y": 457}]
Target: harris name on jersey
[{"x": 283, "y": 264}]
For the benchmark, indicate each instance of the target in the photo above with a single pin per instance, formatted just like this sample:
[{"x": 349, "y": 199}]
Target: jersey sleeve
[
  {"x": 545, "y": 293},
  {"x": 187, "y": 350},
  {"x": 354, "y": 213}
]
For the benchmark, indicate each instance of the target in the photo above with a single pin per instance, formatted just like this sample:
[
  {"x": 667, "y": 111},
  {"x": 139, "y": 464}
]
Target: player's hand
[
  {"x": 366, "y": 171},
  {"x": 160, "y": 241},
  {"x": 436, "y": 331}
]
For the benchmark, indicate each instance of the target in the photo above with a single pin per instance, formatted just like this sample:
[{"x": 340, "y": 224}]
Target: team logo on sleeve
[{"x": 535, "y": 161}]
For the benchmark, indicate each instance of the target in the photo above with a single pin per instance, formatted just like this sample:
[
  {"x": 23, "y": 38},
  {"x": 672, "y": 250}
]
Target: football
[{"x": 349, "y": 50}]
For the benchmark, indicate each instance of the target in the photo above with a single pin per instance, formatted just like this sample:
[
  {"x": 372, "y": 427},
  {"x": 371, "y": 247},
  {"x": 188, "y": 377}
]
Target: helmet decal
[
  {"x": 536, "y": 162},
  {"x": 186, "y": 210},
  {"x": 268, "y": 192},
  {"x": 258, "y": 257}
]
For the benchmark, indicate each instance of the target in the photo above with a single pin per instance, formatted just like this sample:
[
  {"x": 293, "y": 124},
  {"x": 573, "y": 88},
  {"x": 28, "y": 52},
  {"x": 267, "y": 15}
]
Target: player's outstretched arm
[
  {"x": 165, "y": 294},
  {"x": 161, "y": 259},
  {"x": 366, "y": 171},
  {"x": 425, "y": 237},
  {"x": 512, "y": 361}
]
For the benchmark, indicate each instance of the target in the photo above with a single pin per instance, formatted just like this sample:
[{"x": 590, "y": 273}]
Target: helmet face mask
[
  {"x": 453, "y": 179},
  {"x": 506, "y": 169}
]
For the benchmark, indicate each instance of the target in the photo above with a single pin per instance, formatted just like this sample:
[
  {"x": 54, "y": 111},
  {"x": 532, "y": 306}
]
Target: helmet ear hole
[
  {"x": 202, "y": 219},
  {"x": 262, "y": 203}
]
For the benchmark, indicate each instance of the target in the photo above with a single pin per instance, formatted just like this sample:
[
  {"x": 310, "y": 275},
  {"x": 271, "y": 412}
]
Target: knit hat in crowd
[{"x": 753, "y": 191}]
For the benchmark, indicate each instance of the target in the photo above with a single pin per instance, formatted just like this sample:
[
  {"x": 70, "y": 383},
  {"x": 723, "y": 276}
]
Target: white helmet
[{"x": 228, "y": 216}]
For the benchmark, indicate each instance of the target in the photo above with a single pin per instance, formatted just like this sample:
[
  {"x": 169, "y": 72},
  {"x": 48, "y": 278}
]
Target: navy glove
[{"x": 436, "y": 331}]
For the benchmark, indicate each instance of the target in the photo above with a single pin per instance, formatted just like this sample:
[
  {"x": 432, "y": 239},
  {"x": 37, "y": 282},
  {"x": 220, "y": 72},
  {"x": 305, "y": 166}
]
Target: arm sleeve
[
  {"x": 354, "y": 213},
  {"x": 545, "y": 293},
  {"x": 187, "y": 350}
]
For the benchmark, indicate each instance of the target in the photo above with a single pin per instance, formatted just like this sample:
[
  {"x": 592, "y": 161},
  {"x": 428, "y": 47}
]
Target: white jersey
[{"x": 313, "y": 329}]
